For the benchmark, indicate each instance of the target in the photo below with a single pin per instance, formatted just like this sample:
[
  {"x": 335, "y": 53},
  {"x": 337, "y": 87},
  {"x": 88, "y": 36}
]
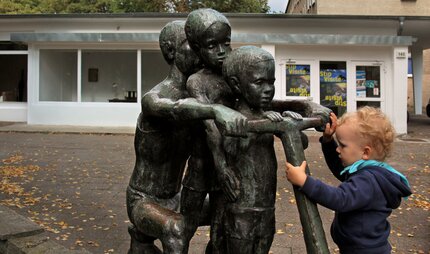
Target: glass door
[{"x": 368, "y": 84}]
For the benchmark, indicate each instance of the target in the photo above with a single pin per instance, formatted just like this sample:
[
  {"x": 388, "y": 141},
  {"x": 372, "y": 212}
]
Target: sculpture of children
[
  {"x": 250, "y": 221},
  {"x": 162, "y": 148},
  {"x": 208, "y": 33}
]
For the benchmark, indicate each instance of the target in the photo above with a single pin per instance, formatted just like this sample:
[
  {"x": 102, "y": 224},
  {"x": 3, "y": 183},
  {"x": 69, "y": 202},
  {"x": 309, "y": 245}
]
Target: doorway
[{"x": 13, "y": 78}]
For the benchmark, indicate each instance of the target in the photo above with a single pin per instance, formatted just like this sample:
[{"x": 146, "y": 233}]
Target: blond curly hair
[{"x": 375, "y": 129}]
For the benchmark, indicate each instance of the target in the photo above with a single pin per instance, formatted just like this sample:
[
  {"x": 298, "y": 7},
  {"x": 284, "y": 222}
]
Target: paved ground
[{"x": 73, "y": 184}]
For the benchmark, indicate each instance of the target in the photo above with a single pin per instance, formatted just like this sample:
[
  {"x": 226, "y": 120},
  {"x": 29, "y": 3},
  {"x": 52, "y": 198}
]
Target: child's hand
[
  {"x": 274, "y": 116},
  {"x": 330, "y": 129},
  {"x": 296, "y": 175}
]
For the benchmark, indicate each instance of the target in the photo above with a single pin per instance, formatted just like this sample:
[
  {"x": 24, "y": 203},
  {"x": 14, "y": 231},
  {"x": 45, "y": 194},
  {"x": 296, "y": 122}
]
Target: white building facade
[{"x": 91, "y": 69}]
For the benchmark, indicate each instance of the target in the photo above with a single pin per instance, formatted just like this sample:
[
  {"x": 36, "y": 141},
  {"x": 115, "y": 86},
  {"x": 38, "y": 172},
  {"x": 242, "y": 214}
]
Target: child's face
[
  {"x": 215, "y": 45},
  {"x": 186, "y": 60},
  {"x": 257, "y": 84},
  {"x": 351, "y": 148}
]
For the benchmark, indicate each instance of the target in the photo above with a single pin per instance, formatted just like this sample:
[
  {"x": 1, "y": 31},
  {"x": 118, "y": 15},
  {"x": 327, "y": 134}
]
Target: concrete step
[{"x": 20, "y": 235}]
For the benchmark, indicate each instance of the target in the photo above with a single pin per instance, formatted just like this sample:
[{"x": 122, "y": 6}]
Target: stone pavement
[{"x": 72, "y": 180}]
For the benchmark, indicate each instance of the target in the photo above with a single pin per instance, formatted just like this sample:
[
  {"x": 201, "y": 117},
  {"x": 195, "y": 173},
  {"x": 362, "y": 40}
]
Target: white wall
[
  {"x": 84, "y": 114},
  {"x": 110, "y": 114},
  {"x": 393, "y": 72},
  {"x": 90, "y": 113},
  {"x": 13, "y": 112},
  {"x": 398, "y": 102},
  {"x": 126, "y": 114}
]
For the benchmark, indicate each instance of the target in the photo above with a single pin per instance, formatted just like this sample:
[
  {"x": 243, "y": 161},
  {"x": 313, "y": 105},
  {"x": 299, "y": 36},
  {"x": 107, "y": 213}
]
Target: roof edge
[
  {"x": 279, "y": 39},
  {"x": 229, "y": 15}
]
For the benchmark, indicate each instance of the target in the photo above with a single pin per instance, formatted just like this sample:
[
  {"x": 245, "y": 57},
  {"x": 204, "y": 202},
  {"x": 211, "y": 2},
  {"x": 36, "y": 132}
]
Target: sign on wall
[{"x": 298, "y": 79}]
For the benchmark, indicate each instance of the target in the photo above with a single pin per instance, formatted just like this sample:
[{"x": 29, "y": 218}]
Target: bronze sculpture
[
  {"x": 186, "y": 109},
  {"x": 162, "y": 148},
  {"x": 250, "y": 220},
  {"x": 208, "y": 33}
]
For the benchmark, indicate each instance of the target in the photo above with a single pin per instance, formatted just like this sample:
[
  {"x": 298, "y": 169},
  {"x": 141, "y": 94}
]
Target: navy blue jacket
[{"x": 362, "y": 204}]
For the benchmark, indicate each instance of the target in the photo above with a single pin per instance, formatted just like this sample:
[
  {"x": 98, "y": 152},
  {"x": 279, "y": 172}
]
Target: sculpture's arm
[
  {"x": 298, "y": 106},
  {"x": 226, "y": 177},
  {"x": 152, "y": 104},
  {"x": 230, "y": 120}
]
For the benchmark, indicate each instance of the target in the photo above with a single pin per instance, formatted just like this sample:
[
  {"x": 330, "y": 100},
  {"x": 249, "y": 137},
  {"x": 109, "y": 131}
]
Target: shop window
[
  {"x": 58, "y": 75},
  {"x": 154, "y": 69},
  {"x": 13, "y": 78},
  {"x": 333, "y": 86},
  {"x": 298, "y": 79},
  {"x": 109, "y": 76},
  {"x": 368, "y": 83}
]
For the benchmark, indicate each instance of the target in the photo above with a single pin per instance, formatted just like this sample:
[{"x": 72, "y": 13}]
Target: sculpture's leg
[
  {"x": 140, "y": 243},
  {"x": 174, "y": 241},
  {"x": 239, "y": 246},
  {"x": 151, "y": 219},
  {"x": 217, "y": 205},
  {"x": 313, "y": 230},
  {"x": 191, "y": 207},
  {"x": 246, "y": 246},
  {"x": 263, "y": 245}
]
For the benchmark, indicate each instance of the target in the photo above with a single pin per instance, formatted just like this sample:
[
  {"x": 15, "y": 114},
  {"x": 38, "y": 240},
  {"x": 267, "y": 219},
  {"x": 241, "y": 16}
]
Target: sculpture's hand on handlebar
[
  {"x": 273, "y": 116},
  {"x": 293, "y": 115},
  {"x": 232, "y": 122}
]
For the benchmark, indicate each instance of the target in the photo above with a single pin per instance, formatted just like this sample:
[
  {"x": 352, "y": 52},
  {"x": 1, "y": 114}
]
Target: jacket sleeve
[
  {"x": 332, "y": 158},
  {"x": 354, "y": 193}
]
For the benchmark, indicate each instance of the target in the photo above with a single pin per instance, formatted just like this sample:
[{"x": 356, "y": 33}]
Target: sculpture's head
[
  {"x": 209, "y": 34},
  {"x": 250, "y": 72},
  {"x": 176, "y": 49}
]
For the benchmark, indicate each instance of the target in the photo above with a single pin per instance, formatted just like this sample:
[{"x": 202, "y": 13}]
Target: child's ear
[
  {"x": 367, "y": 151},
  {"x": 234, "y": 84}
]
